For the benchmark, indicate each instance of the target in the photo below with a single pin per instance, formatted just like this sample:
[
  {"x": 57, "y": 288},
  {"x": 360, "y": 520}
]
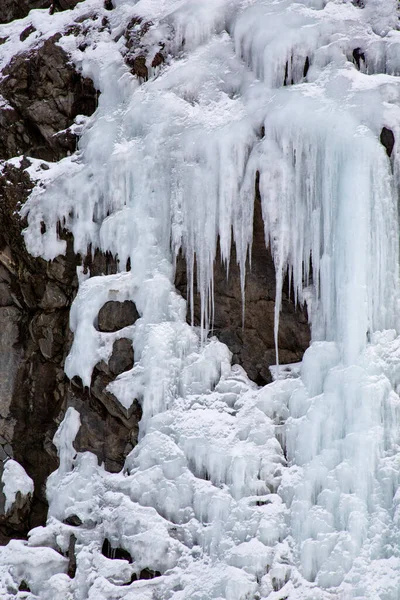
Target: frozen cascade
[{"x": 233, "y": 492}]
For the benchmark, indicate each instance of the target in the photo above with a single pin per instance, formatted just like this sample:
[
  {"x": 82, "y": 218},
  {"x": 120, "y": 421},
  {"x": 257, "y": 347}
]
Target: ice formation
[
  {"x": 233, "y": 492},
  {"x": 15, "y": 479}
]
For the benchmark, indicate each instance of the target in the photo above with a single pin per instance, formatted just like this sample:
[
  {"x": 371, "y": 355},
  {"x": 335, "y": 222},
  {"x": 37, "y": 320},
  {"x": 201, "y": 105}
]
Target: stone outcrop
[
  {"x": 43, "y": 94},
  {"x": 18, "y": 9},
  {"x": 116, "y": 315}
]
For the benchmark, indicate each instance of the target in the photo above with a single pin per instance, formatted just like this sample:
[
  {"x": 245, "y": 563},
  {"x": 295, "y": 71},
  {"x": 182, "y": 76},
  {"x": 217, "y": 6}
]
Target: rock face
[
  {"x": 252, "y": 341},
  {"x": 18, "y": 9},
  {"x": 44, "y": 94}
]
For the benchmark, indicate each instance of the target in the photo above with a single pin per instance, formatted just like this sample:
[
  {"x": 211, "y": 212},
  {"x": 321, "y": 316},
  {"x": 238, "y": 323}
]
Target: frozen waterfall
[{"x": 233, "y": 492}]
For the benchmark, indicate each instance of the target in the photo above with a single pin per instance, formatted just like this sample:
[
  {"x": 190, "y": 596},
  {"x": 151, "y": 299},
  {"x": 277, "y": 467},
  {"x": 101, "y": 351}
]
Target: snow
[
  {"x": 15, "y": 479},
  {"x": 233, "y": 492}
]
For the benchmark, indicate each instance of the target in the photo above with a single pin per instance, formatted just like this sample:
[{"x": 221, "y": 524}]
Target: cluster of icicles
[{"x": 233, "y": 492}]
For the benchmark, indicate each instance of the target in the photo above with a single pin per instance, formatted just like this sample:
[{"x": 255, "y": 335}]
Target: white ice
[
  {"x": 15, "y": 479},
  {"x": 233, "y": 492}
]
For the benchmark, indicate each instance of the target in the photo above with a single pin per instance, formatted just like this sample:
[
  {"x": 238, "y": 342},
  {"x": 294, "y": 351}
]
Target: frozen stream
[{"x": 234, "y": 492}]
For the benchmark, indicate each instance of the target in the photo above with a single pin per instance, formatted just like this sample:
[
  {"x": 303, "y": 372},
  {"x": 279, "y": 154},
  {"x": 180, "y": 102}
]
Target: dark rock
[
  {"x": 24, "y": 587},
  {"x": 157, "y": 60},
  {"x": 109, "y": 435},
  {"x": 358, "y": 56},
  {"x": 100, "y": 263},
  {"x": 71, "y": 557},
  {"x": 98, "y": 389},
  {"x": 14, "y": 520},
  {"x": 116, "y": 315},
  {"x": 6, "y": 298},
  {"x": 45, "y": 94},
  {"x": 18, "y": 9},
  {"x": 47, "y": 331},
  {"x": 53, "y": 297},
  {"x": 387, "y": 140},
  {"x": 122, "y": 357},
  {"x": 138, "y": 67},
  {"x": 108, "y": 5},
  {"x": 27, "y": 32},
  {"x": 306, "y": 67},
  {"x": 146, "y": 574},
  {"x": 66, "y": 4},
  {"x": 73, "y": 520},
  {"x": 115, "y": 553}
]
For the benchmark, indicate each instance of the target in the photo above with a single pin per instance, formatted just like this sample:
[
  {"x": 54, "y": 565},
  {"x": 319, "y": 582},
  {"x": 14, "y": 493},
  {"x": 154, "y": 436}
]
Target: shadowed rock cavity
[
  {"x": 115, "y": 553},
  {"x": 358, "y": 56},
  {"x": 252, "y": 342},
  {"x": 387, "y": 140}
]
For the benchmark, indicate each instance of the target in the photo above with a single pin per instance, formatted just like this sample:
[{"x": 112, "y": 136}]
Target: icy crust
[
  {"x": 207, "y": 500},
  {"x": 15, "y": 479},
  {"x": 232, "y": 492}
]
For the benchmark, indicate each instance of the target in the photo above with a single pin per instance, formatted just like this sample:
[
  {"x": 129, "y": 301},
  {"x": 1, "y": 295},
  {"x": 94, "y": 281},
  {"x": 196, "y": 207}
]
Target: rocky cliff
[{"x": 42, "y": 99}]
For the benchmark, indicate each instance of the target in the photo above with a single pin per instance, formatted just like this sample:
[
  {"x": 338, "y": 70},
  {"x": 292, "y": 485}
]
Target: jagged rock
[
  {"x": 6, "y": 298},
  {"x": 18, "y": 9},
  {"x": 71, "y": 557},
  {"x": 116, "y": 315},
  {"x": 44, "y": 94},
  {"x": 121, "y": 359},
  {"x": 47, "y": 331},
  {"x": 73, "y": 520},
  {"x": 109, "y": 435},
  {"x": 53, "y": 297},
  {"x": 10, "y": 357},
  {"x": 122, "y": 356},
  {"x": 138, "y": 54}
]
